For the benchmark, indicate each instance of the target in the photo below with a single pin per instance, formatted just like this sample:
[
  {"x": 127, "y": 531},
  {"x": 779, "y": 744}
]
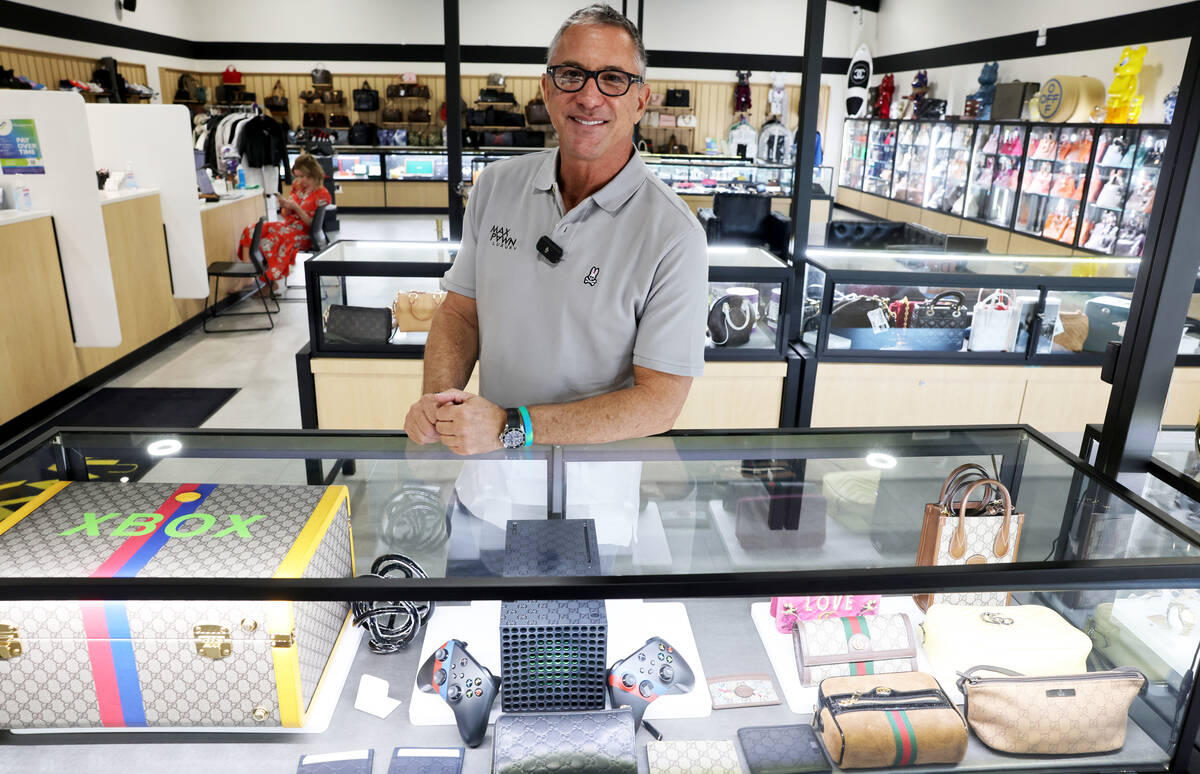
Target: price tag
[{"x": 878, "y": 320}]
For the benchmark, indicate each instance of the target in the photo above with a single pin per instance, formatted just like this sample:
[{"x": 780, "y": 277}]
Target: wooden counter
[
  {"x": 375, "y": 393},
  {"x": 417, "y": 193},
  {"x": 222, "y": 224},
  {"x": 1049, "y": 398}
]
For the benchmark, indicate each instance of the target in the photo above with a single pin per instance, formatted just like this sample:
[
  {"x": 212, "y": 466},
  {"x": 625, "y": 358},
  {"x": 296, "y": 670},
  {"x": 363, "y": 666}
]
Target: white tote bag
[{"x": 990, "y": 323}]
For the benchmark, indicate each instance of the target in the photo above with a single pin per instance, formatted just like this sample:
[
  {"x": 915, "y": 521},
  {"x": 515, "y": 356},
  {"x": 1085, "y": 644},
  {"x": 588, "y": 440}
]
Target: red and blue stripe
[{"x": 106, "y": 624}]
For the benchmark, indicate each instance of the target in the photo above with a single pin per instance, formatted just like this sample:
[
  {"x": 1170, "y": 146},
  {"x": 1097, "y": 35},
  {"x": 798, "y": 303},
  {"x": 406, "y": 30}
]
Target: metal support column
[
  {"x": 453, "y": 56},
  {"x": 806, "y": 153},
  {"x": 1145, "y": 359}
]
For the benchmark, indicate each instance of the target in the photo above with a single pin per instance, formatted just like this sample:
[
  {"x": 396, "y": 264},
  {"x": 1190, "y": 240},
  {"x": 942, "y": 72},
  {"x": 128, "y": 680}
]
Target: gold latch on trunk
[
  {"x": 10, "y": 642},
  {"x": 283, "y": 640},
  {"x": 213, "y": 642}
]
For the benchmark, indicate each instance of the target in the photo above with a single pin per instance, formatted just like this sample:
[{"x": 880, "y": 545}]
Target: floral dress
[{"x": 282, "y": 239}]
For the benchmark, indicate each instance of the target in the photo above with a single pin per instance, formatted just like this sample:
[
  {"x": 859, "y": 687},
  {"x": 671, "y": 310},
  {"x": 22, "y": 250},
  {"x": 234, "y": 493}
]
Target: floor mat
[{"x": 146, "y": 407}]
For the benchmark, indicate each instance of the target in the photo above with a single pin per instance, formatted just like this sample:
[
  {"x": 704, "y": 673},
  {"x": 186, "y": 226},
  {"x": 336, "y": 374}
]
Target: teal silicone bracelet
[{"x": 528, "y": 423}]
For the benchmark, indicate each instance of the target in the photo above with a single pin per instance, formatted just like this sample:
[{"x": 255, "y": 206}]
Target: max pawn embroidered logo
[
  {"x": 500, "y": 238},
  {"x": 590, "y": 279}
]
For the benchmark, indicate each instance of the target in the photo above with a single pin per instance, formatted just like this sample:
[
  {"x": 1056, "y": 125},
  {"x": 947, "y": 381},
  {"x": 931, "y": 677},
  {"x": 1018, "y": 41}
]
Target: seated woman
[{"x": 282, "y": 239}]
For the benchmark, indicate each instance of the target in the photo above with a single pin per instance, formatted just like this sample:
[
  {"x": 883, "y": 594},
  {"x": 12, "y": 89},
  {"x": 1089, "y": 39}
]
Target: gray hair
[{"x": 603, "y": 14}]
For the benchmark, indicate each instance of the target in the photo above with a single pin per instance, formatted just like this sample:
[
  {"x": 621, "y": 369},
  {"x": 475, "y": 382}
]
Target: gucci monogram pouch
[
  {"x": 859, "y": 645},
  {"x": 598, "y": 742},
  {"x": 1056, "y": 715},
  {"x": 782, "y": 750},
  {"x": 742, "y": 691},
  {"x": 693, "y": 757}
]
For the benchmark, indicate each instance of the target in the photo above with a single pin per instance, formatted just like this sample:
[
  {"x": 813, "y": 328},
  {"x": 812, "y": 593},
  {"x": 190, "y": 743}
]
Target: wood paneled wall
[
  {"x": 712, "y": 101},
  {"x": 51, "y": 68}
]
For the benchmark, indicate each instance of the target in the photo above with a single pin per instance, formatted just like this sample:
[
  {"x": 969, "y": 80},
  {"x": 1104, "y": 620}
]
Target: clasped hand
[{"x": 465, "y": 423}]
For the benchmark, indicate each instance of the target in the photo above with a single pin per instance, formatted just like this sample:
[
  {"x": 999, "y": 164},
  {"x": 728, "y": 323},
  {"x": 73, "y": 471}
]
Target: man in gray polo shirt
[{"x": 598, "y": 336}]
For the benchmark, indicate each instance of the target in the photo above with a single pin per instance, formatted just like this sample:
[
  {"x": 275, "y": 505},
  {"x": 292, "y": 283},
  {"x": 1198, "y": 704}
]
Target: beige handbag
[
  {"x": 1031, "y": 639},
  {"x": 958, "y": 539},
  {"x": 854, "y": 645},
  {"x": 877, "y": 721},
  {"x": 1075, "y": 331},
  {"x": 414, "y": 310},
  {"x": 1062, "y": 715}
]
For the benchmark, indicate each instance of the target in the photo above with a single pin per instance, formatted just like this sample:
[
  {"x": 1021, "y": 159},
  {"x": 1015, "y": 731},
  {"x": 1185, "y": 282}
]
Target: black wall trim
[
  {"x": 1143, "y": 27},
  {"x": 365, "y": 52},
  {"x": 27, "y": 18}
]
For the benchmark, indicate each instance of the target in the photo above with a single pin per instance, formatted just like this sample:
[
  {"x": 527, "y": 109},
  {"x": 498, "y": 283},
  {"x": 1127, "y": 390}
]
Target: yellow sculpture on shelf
[{"x": 1124, "y": 104}]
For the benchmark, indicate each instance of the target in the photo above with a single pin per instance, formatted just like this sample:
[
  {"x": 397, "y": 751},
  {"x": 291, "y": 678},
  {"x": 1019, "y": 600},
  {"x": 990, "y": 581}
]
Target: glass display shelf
[
  {"x": 884, "y": 305},
  {"x": 854, "y": 153},
  {"x": 1055, "y": 182},
  {"x": 748, "y": 288},
  {"x": 946, "y": 184},
  {"x": 694, "y": 533},
  {"x": 357, "y": 166},
  {"x": 995, "y": 170},
  {"x": 881, "y": 156}
]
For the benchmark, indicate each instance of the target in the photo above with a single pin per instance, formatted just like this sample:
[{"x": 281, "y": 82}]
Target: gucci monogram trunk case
[{"x": 202, "y": 664}]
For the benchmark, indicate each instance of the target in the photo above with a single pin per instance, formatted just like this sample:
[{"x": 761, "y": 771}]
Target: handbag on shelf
[
  {"x": 1071, "y": 714},
  {"x": 419, "y": 116},
  {"x": 1032, "y": 639},
  {"x": 731, "y": 320},
  {"x": 321, "y": 76},
  {"x": 419, "y": 90},
  {"x": 861, "y": 319},
  {"x": 597, "y": 742},
  {"x": 231, "y": 76},
  {"x": 990, "y": 323},
  {"x": 789, "y": 611},
  {"x": 308, "y": 96},
  {"x": 944, "y": 322},
  {"x": 415, "y": 309},
  {"x": 885, "y": 721},
  {"x": 332, "y": 97},
  {"x": 366, "y": 99},
  {"x": 313, "y": 120},
  {"x": 678, "y": 98},
  {"x": 858, "y": 645},
  {"x": 358, "y": 324},
  {"x": 339, "y": 121},
  {"x": 536, "y": 112},
  {"x": 278, "y": 101},
  {"x": 392, "y": 116},
  {"x": 902, "y": 312},
  {"x": 955, "y": 539},
  {"x": 397, "y": 90}
]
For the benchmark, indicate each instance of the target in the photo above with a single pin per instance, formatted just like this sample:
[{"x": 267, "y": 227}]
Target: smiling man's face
[{"x": 592, "y": 126}]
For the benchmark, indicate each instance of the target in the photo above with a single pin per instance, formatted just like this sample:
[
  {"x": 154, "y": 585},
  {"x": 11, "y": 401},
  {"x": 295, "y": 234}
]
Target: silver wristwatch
[{"x": 513, "y": 434}]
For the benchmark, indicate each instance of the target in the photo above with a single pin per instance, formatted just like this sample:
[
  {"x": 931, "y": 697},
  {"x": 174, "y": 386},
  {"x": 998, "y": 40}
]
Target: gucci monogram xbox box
[{"x": 146, "y": 664}]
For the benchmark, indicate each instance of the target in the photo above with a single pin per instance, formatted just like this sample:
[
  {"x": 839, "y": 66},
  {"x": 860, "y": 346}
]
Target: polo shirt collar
[{"x": 611, "y": 196}]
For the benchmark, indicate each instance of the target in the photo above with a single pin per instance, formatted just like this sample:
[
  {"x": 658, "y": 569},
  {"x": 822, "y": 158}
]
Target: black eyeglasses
[{"x": 612, "y": 83}]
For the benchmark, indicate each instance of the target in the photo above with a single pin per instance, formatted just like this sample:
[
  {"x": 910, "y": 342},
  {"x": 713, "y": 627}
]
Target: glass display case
[
  {"x": 684, "y": 537},
  {"x": 357, "y": 166},
  {"x": 854, "y": 152},
  {"x": 1054, "y": 183},
  {"x": 995, "y": 170},
  {"x": 947, "y": 307},
  {"x": 395, "y": 288},
  {"x": 881, "y": 158},
  {"x": 1089, "y": 186}
]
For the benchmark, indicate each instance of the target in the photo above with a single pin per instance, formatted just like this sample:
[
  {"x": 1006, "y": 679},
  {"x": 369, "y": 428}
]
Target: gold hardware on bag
[
  {"x": 10, "y": 642},
  {"x": 852, "y": 700},
  {"x": 283, "y": 640},
  {"x": 995, "y": 618},
  {"x": 860, "y": 642},
  {"x": 213, "y": 642},
  {"x": 883, "y": 690},
  {"x": 261, "y": 714},
  {"x": 249, "y": 625}
]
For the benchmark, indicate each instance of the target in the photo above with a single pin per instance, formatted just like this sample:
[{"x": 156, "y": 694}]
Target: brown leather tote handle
[
  {"x": 958, "y": 541},
  {"x": 957, "y": 473}
]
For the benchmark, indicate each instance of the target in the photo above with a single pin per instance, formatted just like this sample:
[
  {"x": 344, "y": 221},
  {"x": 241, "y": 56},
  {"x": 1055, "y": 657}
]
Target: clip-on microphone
[{"x": 549, "y": 250}]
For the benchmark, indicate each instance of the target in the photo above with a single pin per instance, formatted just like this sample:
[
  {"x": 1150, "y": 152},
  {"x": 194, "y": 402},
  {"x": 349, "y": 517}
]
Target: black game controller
[
  {"x": 653, "y": 670},
  {"x": 463, "y": 683}
]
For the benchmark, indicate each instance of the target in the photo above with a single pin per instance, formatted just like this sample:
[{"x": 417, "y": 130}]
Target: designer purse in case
[
  {"x": 949, "y": 539},
  {"x": 836, "y": 647},
  {"x": 414, "y": 310},
  {"x": 600, "y": 742},
  {"x": 358, "y": 324},
  {"x": 1030, "y": 639},
  {"x": 166, "y": 664},
  {"x": 1075, "y": 714},
  {"x": 877, "y": 721},
  {"x": 948, "y": 502},
  {"x": 940, "y": 324},
  {"x": 788, "y": 611}
]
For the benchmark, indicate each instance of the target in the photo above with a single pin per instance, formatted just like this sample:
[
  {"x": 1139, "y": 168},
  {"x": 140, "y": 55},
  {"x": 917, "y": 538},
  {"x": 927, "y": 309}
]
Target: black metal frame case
[{"x": 1080, "y": 519}]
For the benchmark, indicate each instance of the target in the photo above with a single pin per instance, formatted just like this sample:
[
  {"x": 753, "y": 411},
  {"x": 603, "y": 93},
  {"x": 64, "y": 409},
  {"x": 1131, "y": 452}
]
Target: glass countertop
[
  {"x": 971, "y": 263},
  {"x": 695, "y": 504},
  {"x": 444, "y": 252},
  {"x": 385, "y": 251}
]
